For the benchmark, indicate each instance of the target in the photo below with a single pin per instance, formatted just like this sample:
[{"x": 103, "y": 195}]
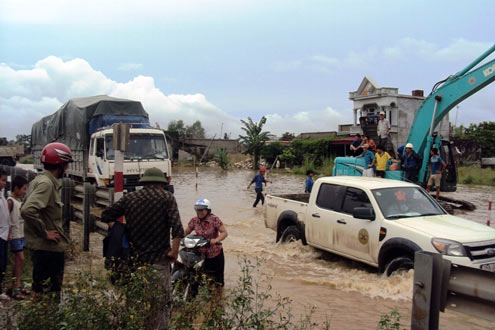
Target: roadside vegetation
[
  {"x": 91, "y": 302},
  {"x": 476, "y": 175}
]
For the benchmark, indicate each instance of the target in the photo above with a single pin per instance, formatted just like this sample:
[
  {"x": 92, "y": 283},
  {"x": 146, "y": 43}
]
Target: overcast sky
[{"x": 222, "y": 61}]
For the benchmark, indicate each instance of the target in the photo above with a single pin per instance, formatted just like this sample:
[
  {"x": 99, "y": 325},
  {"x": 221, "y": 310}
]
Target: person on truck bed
[
  {"x": 42, "y": 214},
  {"x": 258, "y": 180}
]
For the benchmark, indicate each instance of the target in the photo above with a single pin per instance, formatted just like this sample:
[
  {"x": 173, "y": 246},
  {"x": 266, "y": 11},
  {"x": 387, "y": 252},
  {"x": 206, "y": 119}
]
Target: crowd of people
[
  {"x": 153, "y": 229},
  {"x": 377, "y": 157}
]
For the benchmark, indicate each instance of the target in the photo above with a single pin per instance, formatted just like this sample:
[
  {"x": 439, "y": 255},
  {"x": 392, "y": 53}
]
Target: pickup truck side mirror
[{"x": 365, "y": 213}]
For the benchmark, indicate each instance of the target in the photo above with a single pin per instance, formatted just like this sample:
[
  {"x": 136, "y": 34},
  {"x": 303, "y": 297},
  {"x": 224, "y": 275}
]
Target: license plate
[{"x": 488, "y": 267}]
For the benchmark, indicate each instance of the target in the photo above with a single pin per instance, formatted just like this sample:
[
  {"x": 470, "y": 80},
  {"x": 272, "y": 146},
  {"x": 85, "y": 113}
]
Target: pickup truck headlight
[{"x": 448, "y": 247}]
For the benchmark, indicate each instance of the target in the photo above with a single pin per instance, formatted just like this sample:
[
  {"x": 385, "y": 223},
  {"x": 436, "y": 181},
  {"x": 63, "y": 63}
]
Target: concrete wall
[
  {"x": 198, "y": 146},
  {"x": 407, "y": 110},
  {"x": 316, "y": 135}
]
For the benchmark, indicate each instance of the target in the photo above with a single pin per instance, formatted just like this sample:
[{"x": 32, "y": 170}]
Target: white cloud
[
  {"x": 406, "y": 49},
  {"x": 129, "y": 66},
  {"x": 28, "y": 95},
  {"x": 458, "y": 50},
  {"x": 307, "y": 121}
]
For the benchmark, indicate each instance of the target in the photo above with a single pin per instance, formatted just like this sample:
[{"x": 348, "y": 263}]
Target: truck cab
[{"x": 148, "y": 148}]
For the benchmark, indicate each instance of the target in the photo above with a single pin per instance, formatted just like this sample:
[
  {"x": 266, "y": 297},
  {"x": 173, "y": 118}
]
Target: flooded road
[{"x": 351, "y": 295}]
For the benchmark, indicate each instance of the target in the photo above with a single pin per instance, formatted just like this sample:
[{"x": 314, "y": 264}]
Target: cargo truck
[{"x": 84, "y": 124}]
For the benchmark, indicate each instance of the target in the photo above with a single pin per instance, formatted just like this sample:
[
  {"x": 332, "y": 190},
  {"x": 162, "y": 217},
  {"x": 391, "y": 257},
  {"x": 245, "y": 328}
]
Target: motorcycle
[{"x": 186, "y": 271}]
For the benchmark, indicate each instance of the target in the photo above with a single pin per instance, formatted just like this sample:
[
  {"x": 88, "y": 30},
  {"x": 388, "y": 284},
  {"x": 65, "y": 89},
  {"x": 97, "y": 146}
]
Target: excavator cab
[{"x": 450, "y": 175}]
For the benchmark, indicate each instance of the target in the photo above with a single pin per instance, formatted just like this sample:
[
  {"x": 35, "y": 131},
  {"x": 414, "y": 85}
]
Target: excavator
[{"x": 445, "y": 95}]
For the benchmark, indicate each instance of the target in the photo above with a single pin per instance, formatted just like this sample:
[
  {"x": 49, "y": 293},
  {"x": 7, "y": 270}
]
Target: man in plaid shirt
[{"x": 151, "y": 215}]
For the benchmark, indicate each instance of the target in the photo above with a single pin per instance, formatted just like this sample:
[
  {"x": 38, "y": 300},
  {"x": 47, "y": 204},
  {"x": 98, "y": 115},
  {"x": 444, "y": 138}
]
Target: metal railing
[{"x": 440, "y": 285}]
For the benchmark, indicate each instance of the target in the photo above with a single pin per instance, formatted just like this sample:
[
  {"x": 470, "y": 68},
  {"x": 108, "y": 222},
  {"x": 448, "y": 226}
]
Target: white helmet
[
  {"x": 409, "y": 145},
  {"x": 202, "y": 204}
]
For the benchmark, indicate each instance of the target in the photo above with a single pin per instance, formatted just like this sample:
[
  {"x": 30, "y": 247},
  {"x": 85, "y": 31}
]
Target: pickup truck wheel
[
  {"x": 400, "y": 263},
  {"x": 290, "y": 234}
]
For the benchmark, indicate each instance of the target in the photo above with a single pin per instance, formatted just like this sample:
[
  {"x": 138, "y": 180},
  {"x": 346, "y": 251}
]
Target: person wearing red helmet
[
  {"x": 42, "y": 214},
  {"x": 258, "y": 187}
]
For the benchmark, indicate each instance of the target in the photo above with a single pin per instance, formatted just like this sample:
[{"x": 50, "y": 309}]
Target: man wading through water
[
  {"x": 151, "y": 215},
  {"x": 258, "y": 187}
]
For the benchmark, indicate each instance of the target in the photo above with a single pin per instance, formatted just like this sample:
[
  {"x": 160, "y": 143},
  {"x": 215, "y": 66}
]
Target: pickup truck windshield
[
  {"x": 406, "y": 202},
  {"x": 143, "y": 146}
]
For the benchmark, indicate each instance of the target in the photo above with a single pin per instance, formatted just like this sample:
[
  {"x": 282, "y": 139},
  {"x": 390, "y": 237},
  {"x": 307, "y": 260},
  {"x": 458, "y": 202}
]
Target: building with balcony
[{"x": 370, "y": 99}]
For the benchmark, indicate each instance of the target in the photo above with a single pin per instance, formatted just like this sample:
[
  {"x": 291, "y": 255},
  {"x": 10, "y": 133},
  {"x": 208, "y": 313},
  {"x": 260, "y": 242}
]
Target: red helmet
[
  {"x": 262, "y": 169},
  {"x": 56, "y": 153}
]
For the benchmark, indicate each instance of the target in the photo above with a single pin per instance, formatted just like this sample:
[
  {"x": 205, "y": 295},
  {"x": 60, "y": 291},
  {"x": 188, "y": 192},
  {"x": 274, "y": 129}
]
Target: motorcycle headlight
[
  {"x": 190, "y": 242},
  {"x": 448, "y": 247}
]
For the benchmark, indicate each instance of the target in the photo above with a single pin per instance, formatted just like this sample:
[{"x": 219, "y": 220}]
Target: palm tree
[{"x": 254, "y": 138}]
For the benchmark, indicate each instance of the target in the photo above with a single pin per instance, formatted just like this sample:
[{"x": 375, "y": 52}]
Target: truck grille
[
  {"x": 480, "y": 250},
  {"x": 131, "y": 180}
]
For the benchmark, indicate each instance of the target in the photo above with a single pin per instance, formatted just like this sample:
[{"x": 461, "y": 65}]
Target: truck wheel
[
  {"x": 290, "y": 234},
  {"x": 399, "y": 263}
]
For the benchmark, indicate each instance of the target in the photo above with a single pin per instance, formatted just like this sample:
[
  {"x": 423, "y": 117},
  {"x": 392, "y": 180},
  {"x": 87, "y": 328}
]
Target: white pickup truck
[{"x": 379, "y": 222}]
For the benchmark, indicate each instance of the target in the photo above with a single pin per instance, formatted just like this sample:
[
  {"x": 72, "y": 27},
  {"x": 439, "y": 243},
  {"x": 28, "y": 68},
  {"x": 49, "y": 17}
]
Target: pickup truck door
[
  {"x": 321, "y": 215},
  {"x": 356, "y": 237}
]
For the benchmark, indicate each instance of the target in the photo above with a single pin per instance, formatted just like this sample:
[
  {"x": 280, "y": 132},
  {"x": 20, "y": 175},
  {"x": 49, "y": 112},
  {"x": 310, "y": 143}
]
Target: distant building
[{"x": 370, "y": 99}]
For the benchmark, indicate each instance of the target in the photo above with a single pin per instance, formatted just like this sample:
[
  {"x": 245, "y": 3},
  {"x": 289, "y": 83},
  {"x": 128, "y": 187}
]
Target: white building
[{"x": 370, "y": 99}]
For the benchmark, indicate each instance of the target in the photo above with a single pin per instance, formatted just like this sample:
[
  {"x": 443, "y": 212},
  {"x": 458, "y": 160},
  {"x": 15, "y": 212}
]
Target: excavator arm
[{"x": 444, "y": 97}]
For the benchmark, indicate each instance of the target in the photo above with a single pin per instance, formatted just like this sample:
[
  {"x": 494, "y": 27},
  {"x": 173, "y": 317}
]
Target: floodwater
[{"x": 350, "y": 295}]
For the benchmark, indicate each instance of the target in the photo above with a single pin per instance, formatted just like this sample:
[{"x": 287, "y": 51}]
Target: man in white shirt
[
  {"x": 383, "y": 129},
  {"x": 4, "y": 233}
]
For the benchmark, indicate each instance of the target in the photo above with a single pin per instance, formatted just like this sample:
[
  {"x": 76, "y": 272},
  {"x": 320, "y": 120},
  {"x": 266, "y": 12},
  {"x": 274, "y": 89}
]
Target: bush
[
  {"x": 89, "y": 303},
  {"x": 390, "y": 321},
  {"x": 222, "y": 159},
  {"x": 319, "y": 149}
]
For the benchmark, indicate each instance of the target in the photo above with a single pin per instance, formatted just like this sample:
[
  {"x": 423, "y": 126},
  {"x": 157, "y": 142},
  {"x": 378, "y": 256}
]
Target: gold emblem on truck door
[{"x": 363, "y": 236}]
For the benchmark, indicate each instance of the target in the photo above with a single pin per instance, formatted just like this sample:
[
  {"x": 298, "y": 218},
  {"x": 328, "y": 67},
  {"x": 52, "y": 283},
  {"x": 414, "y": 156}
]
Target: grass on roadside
[{"x": 476, "y": 175}]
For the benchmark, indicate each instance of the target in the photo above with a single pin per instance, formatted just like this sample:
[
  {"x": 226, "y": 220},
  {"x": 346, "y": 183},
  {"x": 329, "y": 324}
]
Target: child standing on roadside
[{"x": 17, "y": 242}]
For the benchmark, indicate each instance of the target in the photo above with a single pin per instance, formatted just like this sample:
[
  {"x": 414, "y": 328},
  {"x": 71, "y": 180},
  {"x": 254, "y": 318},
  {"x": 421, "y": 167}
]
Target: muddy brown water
[{"x": 350, "y": 295}]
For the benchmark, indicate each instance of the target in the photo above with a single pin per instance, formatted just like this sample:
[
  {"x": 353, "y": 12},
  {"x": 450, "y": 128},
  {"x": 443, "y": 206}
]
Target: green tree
[
  {"x": 177, "y": 127},
  {"x": 484, "y": 134},
  {"x": 195, "y": 131},
  {"x": 25, "y": 140},
  {"x": 255, "y": 138},
  {"x": 287, "y": 136},
  {"x": 270, "y": 151}
]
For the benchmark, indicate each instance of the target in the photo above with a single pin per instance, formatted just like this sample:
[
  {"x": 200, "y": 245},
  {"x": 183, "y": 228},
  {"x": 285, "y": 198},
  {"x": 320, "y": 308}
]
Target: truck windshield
[
  {"x": 143, "y": 146},
  {"x": 406, "y": 202}
]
